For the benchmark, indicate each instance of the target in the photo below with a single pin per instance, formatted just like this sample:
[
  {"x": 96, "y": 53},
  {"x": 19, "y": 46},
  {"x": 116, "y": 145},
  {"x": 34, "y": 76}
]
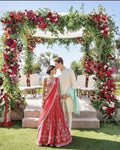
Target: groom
[{"x": 69, "y": 95}]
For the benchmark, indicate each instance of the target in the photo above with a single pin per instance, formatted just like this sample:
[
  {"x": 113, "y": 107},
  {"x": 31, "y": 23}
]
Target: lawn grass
[{"x": 17, "y": 138}]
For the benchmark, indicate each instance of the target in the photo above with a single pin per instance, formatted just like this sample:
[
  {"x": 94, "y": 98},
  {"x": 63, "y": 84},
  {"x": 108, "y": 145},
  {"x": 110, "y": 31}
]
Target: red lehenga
[{"x": 52, "y": 128}]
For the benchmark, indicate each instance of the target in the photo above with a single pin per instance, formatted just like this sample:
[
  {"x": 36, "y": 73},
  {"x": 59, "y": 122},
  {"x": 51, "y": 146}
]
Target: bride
[{"x": 52, "y": 128}]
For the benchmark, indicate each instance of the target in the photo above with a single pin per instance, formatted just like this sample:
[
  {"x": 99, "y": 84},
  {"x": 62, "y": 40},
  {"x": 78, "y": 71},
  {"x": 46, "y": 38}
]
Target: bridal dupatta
[{"x": 52, "y": 128}]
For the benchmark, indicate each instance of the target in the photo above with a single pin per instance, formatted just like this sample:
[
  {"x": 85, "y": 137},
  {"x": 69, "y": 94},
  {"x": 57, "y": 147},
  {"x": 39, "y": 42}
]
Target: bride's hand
[{"x": 65, "y": 96}]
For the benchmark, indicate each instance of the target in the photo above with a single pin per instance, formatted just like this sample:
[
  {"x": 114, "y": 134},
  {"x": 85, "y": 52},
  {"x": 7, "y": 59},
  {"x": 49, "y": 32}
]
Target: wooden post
[{"x": 86, "y": 81}]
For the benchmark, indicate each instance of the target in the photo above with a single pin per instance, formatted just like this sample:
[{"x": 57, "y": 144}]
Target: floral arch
[{"x": 19, "y": 28}]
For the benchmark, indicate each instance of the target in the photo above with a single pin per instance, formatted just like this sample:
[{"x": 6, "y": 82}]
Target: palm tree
[
  {"x": 45, "y": 59},
  {"x": 37, "y": 68},
  {"x": 75, "y": 66}
]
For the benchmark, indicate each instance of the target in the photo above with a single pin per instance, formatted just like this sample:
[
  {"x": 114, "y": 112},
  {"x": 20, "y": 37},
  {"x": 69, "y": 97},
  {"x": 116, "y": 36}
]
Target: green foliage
[
  {"x": 36, "y": 67},
  {"x": 117, "y": 88},
  {"x": 29, "y": 59},
  {"x": 2, "y": 107},
  {"x": 75, "y": 66},
  {"x": 45, "y": 59},
  {"x": 117, "y": 42},
  {"x": 18, "y": 103}
]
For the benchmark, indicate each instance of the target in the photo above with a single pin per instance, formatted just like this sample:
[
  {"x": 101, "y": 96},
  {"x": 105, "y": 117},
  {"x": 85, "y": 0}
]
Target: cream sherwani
[{"x": 67, "y": 80}]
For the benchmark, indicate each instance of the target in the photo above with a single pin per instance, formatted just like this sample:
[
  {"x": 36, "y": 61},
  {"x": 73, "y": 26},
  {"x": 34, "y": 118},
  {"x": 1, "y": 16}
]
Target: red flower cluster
[
  {"x": 14, "y": 19},
  {"x": 101, "y": 22},
  {"x": 105, "y": 96},
  {"x": 11, "y": 67},
  {"x": 102, "y": 70},
  {"x": 53, "y": 17},
  {"x": 110, "y": 111},
  {"x": 31, "y": 42},
  {"x": 37, "y": 20},
  {"x": 31, "y": 45},
  {"x": 88, "y": 64},
  {"x": 79, "y": 40},
  {"x": 40, "y": 21},
  {"x": 18, "y": 17}
]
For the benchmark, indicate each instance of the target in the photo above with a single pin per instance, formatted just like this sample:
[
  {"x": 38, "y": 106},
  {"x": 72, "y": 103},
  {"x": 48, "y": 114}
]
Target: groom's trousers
[{"x": 68, "y": 109}]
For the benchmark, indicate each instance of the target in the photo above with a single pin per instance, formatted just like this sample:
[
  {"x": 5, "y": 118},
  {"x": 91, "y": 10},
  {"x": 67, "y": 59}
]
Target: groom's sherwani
[{"x": 67, "y": 81}]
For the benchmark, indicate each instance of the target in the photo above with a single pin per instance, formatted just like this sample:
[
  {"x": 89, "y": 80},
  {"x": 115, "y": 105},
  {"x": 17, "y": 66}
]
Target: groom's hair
[{"x": 58, "y": 60}]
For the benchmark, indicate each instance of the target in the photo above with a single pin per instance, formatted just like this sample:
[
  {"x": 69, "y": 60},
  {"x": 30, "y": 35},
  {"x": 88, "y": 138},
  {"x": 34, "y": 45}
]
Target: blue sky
[{"x": 112, "y": 8}]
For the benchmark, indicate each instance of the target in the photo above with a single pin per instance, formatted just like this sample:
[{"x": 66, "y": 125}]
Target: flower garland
[
  {"x": 104, "y": 98},
  {"x": 87, "y": 62}
]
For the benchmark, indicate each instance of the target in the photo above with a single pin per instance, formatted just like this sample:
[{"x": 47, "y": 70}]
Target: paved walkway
[{"x": 33, "y": 102}]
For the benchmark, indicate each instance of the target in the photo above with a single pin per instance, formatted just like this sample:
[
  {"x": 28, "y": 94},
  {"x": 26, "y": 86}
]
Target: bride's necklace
[{"x": 51, "y": 77}]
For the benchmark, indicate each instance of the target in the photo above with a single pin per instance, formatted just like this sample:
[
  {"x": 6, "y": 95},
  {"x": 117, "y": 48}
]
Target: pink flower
[
  {"x": 21, "y": 106},
  {"x": 17, "y": 100},
  {"x": 13, "y": 82}
]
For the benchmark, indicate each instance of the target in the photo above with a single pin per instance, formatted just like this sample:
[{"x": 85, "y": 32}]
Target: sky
[{"x": 74, "y": 54}]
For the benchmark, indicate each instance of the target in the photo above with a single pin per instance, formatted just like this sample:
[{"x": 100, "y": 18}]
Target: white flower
[
  {"x": 7, "y": 47},
  {"x": 2, "y": 103},
  {"x": 10, "y": 75},
  {"x": 12, "y": 49},
  {"x": 107, "y": 28},
  {"x": 112, "y": 104},
  {"x": 104, "y": 107},
  {"x": 54, "y": 14},
  {"x": 102, "y": 31},
  {"x": 8, "y": 52},
  {"x": 47, "y": 18},
  {"x": 105, "y": 66},
  {"x": 113, "y": 113},
  {"x": 56, "y": 19},
  {"x": 10, "y": 70}
]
